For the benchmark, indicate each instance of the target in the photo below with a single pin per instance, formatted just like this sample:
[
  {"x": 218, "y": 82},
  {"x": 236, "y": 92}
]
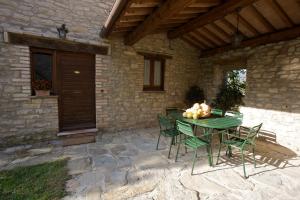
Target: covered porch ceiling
[{"x": 209, "y": 25}]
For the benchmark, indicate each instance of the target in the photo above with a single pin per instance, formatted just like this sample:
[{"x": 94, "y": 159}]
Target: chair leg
[
  {"x": 219, "y": 153},
  {"x": 158, "y": 141},
  {"x": 194, "y": 160},
  {"x": 177, "y": 151},
  {"x": 185, "y": 146},
  {"x": 170, "y": 147},
  {"x": 244, "y": 164},
  {"x": 209, "y": 155},
  {"x": 253, "y": 152},
  {"x": 229, "y": 151}
]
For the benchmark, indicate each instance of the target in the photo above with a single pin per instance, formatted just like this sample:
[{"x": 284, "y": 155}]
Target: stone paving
[{"x": 125, "y": 165}]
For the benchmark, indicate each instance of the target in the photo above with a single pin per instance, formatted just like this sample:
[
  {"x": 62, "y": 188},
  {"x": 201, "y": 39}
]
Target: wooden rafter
[
  {"x": 280, "y": 12},
  {"x": 192, "y": 42},
  {"x": 261, "y": 18},
  {"x": 220, "y": 31},
  {"x": 214, "y": 36},
  {"x": 286, "y": 34},
  {"x": 209, "y": 17},
  {"x": 242, "y": 23},
  {"x": 206, "y": 38},
  {"x": 207, "y": 44},
  {"x": 165, "y": 11}
]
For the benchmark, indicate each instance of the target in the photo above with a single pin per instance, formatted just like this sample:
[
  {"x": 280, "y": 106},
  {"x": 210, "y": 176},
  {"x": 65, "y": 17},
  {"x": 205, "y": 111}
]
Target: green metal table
[{"x": 209, "y": 124}]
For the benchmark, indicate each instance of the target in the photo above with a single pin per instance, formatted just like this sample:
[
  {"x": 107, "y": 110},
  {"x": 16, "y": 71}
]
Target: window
[
  {"x": 237, "y": 78},
  {"x": 42, "y": 62},
  {"x": 153, "y": 74}
]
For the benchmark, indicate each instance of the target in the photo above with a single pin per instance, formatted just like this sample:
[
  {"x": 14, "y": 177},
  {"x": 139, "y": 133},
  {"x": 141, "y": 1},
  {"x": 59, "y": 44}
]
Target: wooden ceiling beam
[
  {"x": 220, "y": 31},
  {"x": 209, "y": 17},
  {"x": 213, "y": 35},
  {"x": 162, "y": 13},
  {"x": 192, "y": 42},
  {"x": 242, "y": 22},
  {"x": 286, "y": 34},
  {"x": 207, "y": 39},
  {"x": 268, "y": 26},
  {"x": 206, "y": 3},
  {"x": 197, "y": 37},
  {"x": 280, "y": 12}
]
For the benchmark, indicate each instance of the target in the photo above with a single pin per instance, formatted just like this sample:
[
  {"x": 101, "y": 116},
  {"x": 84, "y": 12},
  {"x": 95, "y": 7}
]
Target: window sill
[
  {"x": 44, "y": 97},
  {"x": 154, "y": 91}
]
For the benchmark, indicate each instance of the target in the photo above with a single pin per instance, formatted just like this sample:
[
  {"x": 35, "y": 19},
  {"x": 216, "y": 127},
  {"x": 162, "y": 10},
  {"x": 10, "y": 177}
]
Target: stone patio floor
[{"x": 125, "y": 165}]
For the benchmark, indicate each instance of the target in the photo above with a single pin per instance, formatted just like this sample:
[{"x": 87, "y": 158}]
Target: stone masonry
[
  {"x": 127, "y": 105},
  {"x": 20, "y": 112},
  {"x": 273, "y": 86},
  {"x": 120, "y": 100}
]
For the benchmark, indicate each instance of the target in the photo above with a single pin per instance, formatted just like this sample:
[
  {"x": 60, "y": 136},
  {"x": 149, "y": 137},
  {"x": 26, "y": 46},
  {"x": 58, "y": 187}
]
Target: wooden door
[{"x": 76, "y": 88}]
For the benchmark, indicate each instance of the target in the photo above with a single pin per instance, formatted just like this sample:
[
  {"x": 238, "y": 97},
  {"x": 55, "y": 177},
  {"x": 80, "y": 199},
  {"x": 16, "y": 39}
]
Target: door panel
[{"x": 76, "y": 90}]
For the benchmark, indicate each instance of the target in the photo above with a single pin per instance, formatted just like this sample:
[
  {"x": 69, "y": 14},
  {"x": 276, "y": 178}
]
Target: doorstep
[{"x": 77, "y": 137}]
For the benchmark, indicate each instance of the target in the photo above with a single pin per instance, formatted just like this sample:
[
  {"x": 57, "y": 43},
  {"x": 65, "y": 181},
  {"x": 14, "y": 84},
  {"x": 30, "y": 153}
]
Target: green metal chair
[
  {"x": 190, "y": 140},
  {"x": 167, "y": 129},
  {"x": 217, "y": 112},
  {"x": 170, "y": 110},
  {"x": 240, "y": 143},
  {"x": 237, "y": 115}
]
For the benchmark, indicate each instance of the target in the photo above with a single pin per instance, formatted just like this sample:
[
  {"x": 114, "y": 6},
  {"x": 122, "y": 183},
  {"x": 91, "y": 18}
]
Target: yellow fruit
[
  {"x": 196, "y": 106},
  {"x": 199, "y": 111},
  {"x": 195, "y": 116},
  {"x": 189, "y": 115},
  {"x": 184, "y": 114}
]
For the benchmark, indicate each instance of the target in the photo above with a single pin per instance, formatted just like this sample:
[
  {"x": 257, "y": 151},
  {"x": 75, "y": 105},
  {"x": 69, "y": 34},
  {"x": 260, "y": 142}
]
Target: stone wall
[
  {"x": 128, "y": 106},
  {"x": 83, "y": 18},
  {"x": 23, "y": 117},
  {"x": 120, "y": 100},
  {"x": 273, "y": 86}
]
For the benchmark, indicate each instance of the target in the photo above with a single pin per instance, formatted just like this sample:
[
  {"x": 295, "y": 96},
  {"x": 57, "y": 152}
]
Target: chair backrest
[
  {"x": 170, "y": 110},
  {"x": 165, "y": 123},
  {"x": 216, "y": 111},
  {"x": 252, "y": 134},
  {"x": 235, "y": 114},
  {"x": 185, "y": 128}
]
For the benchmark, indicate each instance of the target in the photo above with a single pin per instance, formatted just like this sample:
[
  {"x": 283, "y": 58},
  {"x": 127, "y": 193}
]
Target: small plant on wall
[
  {"x": 194, "y": 95},
  {"x": 41, "y": 87},
  {"x": 231, "y": 92}
]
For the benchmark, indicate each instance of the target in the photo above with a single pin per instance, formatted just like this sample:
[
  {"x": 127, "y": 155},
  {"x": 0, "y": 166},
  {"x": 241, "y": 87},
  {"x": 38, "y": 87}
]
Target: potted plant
[
  {"x": 41, "y": 87},
  {"x": 194, "y": 95}
]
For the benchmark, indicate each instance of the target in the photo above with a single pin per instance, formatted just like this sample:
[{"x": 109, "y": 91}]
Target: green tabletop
[{"x": 213, "y": 123}]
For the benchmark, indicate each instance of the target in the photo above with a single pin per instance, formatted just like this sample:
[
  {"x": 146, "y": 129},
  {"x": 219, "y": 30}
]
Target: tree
[{"x": 232, "y": 91}]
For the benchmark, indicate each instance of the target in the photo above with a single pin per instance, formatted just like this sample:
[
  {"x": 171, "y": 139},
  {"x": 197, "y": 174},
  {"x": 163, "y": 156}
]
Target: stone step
[{"x": 76, "y": 137}]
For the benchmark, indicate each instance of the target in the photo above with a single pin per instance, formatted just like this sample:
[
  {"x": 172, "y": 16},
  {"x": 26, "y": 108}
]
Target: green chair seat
[
  {"x": 234, "y": 140},
  {"x": 167, "y": 129},
  {"x": 169, "y": 132},
  {"x": 190, "y": 140},
  {"x": 194, "y": 142}
]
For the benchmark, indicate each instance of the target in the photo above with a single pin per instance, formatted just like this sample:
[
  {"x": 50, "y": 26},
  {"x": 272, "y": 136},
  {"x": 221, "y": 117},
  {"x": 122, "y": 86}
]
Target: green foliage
[
  {"x": 231, "y": 92},
  {"x": 44, "y": 181},
  {"x": 194, "y": 95}
]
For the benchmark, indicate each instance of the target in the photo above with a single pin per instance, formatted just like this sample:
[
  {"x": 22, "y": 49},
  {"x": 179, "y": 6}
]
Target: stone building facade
[
  {"x": 273, "y": 86},
  {"x": 121, "y": 102},
  {"x": 273, "y": 75}
]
